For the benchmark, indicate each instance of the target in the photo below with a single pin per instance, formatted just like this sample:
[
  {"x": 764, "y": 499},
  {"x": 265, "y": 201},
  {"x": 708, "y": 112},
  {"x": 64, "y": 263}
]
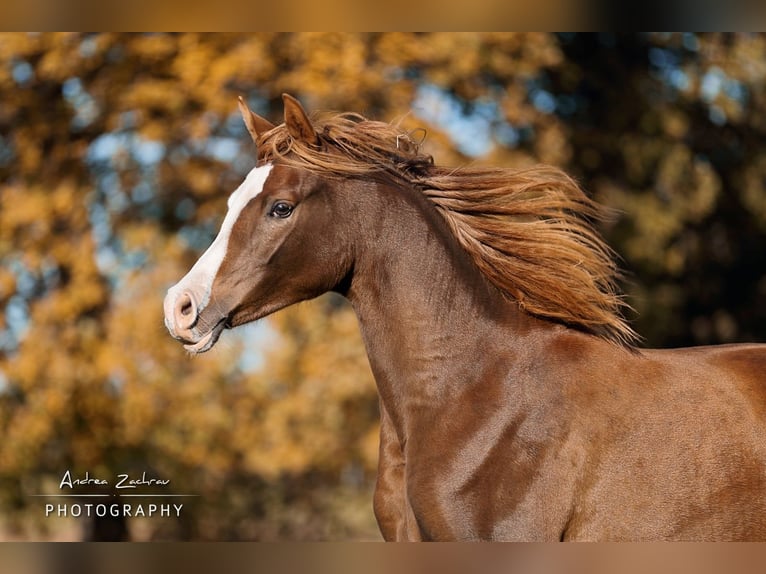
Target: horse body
[
  {"x": 513, "y": 428},
  {"x": 496, "y": 423}
]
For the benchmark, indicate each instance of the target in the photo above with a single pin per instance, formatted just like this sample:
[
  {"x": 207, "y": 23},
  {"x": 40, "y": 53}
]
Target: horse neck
[{"x": 426, "y": 312}]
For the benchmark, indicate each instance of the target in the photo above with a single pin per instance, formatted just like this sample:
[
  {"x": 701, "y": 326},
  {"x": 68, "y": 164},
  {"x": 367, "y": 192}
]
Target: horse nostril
[{"x": 186, "y": 311}]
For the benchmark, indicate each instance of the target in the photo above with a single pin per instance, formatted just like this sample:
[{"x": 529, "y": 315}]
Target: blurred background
[{"x": 117, "y": 155}]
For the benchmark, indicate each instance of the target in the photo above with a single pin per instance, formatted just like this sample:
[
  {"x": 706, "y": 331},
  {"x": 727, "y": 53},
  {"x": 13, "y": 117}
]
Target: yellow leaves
[
  {"x": 153, "y": 47},
  {"x": 61, "y": 59},
  {"x": 691, "y": 183},
  {"x": 140, "y": 235},
  {"x": 540, "y": 49},
  {"x": 675, "y": 123},
  {"x": 331, "y": 66},
  {"x": 206, "y": 66},
  {"x": 249, "y": 61},
  {"x": 451, "y": 59},
  {"x": 369, "y": 445},
  {"x": 656, "y": 226},
  {"x": 59, "y": 307},
  {"x": 398, "y": 49},
  {"x": 153, "y": 96},
  {"x": 65, "y": 203},
  {"x": 320, "y": 411},
  {"x": 300, "y": 411},
  {"x": 686, "y": 192},
  {"x": 202, "y": 179},
  {"x": 281, "y": 446},
  {"x": 7, "y": 287},
  {"x": 193, "y": 62},
  {"x": 18, "y": 45},
  {"x": 552, "y": 145},
  {"x": 47, "y": 404},
  {"x": 21, "y": 208},
  {"x": 30, "y": 430},
  {"x": 29, "y": 216}
]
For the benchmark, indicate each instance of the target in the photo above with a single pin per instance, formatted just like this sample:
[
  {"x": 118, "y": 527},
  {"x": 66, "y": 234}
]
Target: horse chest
[{"x": 504, "y": 490}]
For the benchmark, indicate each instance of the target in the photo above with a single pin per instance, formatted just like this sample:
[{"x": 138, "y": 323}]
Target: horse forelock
[
  {"x": 349, "y": 145},
  {"x": 531, "y": 232}
]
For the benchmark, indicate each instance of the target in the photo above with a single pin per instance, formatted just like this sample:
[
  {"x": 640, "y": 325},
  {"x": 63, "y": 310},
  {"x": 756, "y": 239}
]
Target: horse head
[{"x": 276, "y": 245}]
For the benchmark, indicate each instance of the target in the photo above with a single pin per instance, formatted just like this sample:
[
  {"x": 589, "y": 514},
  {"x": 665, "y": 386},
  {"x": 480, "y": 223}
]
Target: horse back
[{"x": 740, "y": 367}]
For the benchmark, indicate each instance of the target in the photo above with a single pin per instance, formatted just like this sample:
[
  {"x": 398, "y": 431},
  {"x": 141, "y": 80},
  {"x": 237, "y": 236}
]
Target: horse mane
[{"x": 531, "y": 232}]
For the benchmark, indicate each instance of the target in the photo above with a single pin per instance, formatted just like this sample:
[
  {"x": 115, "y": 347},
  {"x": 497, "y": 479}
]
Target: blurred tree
[
  {"x": 117, "y": 154},
  {"x": 669, "y": 129}
]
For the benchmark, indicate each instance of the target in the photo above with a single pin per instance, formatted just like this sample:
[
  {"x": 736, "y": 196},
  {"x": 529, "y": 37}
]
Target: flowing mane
[{"x": 529, "y": 231}]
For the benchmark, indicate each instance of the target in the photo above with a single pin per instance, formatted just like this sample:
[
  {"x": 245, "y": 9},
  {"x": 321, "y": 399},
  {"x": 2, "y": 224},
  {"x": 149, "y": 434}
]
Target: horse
[{"x": 516, "y": 403}]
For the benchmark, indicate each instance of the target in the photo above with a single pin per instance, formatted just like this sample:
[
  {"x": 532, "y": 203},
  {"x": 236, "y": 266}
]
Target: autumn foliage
[{"x": 117, "y": 154}]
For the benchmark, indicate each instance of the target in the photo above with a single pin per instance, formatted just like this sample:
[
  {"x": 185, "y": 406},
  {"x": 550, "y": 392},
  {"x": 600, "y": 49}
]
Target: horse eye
[{"x": 281, "y": 209}]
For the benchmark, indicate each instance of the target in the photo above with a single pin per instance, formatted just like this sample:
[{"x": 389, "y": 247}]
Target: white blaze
[{"x": 200, "y": 278}]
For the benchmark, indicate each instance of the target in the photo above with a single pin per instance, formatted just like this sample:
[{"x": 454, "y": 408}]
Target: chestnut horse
[{"x": 514, "y": 403}]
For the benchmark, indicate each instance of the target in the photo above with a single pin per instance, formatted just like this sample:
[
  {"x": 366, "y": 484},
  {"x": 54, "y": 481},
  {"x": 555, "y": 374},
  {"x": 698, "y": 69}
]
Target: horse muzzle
[{"x": 182, "y": 319}]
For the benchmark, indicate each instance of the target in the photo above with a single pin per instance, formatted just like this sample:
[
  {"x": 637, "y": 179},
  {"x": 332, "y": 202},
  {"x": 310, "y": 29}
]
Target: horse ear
[
  {"x": 297, "y": 121},
  {"x": 256, "y": 125}
]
